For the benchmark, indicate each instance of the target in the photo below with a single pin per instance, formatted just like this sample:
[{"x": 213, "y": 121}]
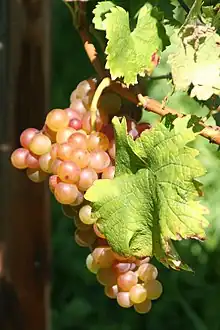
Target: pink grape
[
  {"x": 72, "y": 114},
  {"x": 53, "y": 151},
  {"x": 84, "y": 87},
  {"x": 106, "y": 276},
  {"x": 87, "y": 177},
  {"x": 27, "y": 135},
  {"x": 111, "y": 291},
  {"x": 78, "y": 106},
  {"x": 103, "y": 256},
  {"x": 32, "y": 160},
  {"x": 63, "y": 134},
  {"x": 138, "y": 294},
  {"x": 53, "y": 181},
  {"x": 144, "y": 307},
  {"x": 78, "y": 140},
  {"x": 97, "y": 141},
  {"x": 45, "y": 162},
  {"x": 57, "y": 119},
  {"x": 79, "y": 199},
  {"x": 108, "y": 173},
  {"x": 123, "y": 299},
  {"x": 122, "y": 267},
  {"x": 64, "y": 151},
  {"x": 55, "y": 165},
  {"x": 80, "y": 157},
  {"x": 65, "y": 193},
  {"x": 99, "y": 160},
  {"x": 75, "y": 123},
  {"x": 68, "y": 172},
  {"x": 40, "y": 144},
  {"x": 147, "y": 272},
  {"x": 36, "y": 175},
  {"x": 154, "y": 289},
  {"x": 19, "y": 158},
  {"x": 127, "y": 280}
]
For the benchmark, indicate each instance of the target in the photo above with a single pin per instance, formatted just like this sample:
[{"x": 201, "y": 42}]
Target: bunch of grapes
[{"x": 73, "y": 155}]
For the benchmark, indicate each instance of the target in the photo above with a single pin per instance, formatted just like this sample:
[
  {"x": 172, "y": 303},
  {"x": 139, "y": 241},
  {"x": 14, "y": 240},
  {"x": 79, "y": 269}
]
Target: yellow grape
[
  {"x": 99, "y": 160},
  {"x": 144, "y": 307},
  {"x": 57, "y": 119},
  {"x": 27, "y": 136},
  {"x": 91, "y": 265},
  {"x": 45, "y": 162},
  {"x": 40, "y": 144},
  {"x": 97, "y": 141},
  {"x": 63, "y": 134},
  {"x": 154, "y": 289},
  {"x": 103, "y": 256},
  {"x": 147, "y": 272},
  {"x": 138, "y": 294},
  {"x": 85, "y": 215}
]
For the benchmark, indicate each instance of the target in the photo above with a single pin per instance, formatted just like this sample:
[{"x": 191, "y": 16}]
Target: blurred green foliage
[{"x": 191, "y": 300}]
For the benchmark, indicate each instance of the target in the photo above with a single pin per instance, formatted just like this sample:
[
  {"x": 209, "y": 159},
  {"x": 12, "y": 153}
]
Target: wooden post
[{"x": 24, "y": 211}]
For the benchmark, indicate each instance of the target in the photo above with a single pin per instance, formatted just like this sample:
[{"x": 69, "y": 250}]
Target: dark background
[{"x": 190, "y": 300}]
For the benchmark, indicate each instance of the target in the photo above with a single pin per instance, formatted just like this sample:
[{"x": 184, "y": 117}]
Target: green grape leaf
[
  {"x": 195, "y": 11},
  {"x": 130, "y": 53},
  {"x": 212, "y": 15},
  {"x": 152, "y": 199},
  {"x": 101, "y": 9},
  {"x": 197, "y": 64}
]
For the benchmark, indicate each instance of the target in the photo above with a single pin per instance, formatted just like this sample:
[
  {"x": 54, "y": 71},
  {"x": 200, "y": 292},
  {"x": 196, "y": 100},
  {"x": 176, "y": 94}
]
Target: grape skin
[
  {"x": 111, "y": 291},
  {"x": 127, "y": 280},
  {"x": 19, "y": 158},
  {"x": 57, "y": 119},
  {"x": 99, "y": 160},
  {"x": 138, "y": 294},
  {"x": 154, "y": 289},
  {"x": 65, "y": 193},
  {"x": 85, "y": 215},
  {"x": 103, "y": 256},
  {"x": 123, "y": 299},
  {"x": 27, "y": 136},
  {"x": 91, "y": 265},
  {"x": 144, "y": 307},
  {"x": 87, "y": 177},
  {"x": 68, "y": 172},
  {"x": 40, "y": 144},
  {"x": 147, "y": 272}
]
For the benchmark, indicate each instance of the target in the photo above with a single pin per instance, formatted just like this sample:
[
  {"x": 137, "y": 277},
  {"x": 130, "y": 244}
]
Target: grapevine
[{"x": 130, "y": 187}]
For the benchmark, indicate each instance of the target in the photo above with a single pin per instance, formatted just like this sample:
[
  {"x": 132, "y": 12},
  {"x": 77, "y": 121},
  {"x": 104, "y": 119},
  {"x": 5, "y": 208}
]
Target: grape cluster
[{"x": 73, "y": 156}]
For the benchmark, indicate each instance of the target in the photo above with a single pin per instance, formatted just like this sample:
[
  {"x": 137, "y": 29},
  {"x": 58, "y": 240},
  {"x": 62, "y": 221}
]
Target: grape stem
[
  {"x": 93, "y": 109},
  {"x": 209, "y": 132}
]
